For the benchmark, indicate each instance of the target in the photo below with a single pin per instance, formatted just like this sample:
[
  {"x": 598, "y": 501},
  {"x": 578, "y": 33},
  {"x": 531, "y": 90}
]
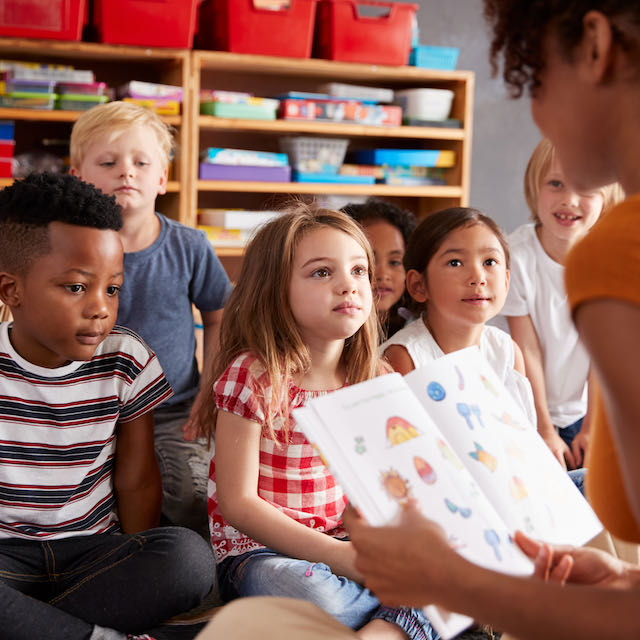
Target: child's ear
[
  {"x": 596, "y": 48},
  {"x": 508, "y": 278},
  {"x": 416, "y": 286},
  {"x": 9, "y": 289},
  {"x": 162, "y": 187}
]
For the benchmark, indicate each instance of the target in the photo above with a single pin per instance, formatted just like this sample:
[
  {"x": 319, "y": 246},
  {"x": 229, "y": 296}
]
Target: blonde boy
[{"x": 124, "y": 150}]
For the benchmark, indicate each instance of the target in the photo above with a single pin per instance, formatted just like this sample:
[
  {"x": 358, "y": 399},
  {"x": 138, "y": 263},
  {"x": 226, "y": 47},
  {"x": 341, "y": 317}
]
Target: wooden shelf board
[
  {"x": 228, "y": 252},
  {"x": 233, "y": 62},
  {"x": 54, "y": 115},
  {"x": 23, "y": 47},
  {"x": 329, "y": 128},
  {"x": 321, "y": 188},
  {"x": 173, "y": 186}
]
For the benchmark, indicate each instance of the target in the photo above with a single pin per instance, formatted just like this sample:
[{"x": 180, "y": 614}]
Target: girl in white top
[
  {"x": 457, "y": 264},
  {"x": 536, "y": 308}
]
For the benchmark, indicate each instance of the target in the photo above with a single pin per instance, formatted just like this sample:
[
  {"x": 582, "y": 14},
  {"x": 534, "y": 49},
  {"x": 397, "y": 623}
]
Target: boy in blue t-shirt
[
  {"x": 79, "y": 483},
  {"x": 124, "y": 150}
]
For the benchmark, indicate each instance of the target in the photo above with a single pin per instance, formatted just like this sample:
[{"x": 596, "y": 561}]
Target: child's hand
[
  {"x": 560, "y": 450},
  {"x": 579, "y": 447},
  {"x": 577, "y": 565}
]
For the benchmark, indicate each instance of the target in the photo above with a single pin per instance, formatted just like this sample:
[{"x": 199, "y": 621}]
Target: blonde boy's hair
[
  {"x": 258, "y": 318},
  {"x": 539, "y": 163},
  {"x": 111, "y": 119}
]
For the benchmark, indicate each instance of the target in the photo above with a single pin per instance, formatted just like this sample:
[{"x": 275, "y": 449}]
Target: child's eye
[
  {"x": 360, "y": 270},
  {"x": 110, "y": 163},
  {"x": 113, "y": 290},
  {"x": 75, "y": 288},
  {"x": 142, "y": 163},
  {"x": 395, "y": 263},
  {"x": 323, "y": 272},
  {"x": 556, "y": 184},
  {"x": 454, "y": 262},
  {"x": 490, "y": 262}
]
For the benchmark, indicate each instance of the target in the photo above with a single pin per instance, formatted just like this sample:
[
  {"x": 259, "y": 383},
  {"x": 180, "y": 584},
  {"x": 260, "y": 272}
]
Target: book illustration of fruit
[{"x": 436, "y": 391}]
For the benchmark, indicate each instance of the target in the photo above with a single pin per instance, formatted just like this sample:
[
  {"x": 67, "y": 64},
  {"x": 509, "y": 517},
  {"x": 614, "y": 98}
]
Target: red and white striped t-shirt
[{"x": 292, "y": 477}]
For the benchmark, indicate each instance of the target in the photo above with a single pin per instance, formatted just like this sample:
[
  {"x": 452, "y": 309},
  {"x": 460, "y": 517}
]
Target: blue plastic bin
[{"x": 443, "y": 58}]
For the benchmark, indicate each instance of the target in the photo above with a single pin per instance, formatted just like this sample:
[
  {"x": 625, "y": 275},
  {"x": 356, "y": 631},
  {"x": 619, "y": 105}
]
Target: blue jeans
[
  {"x": 266, "y": 573},
  {"x": 184, "y": 467},
  {"x": 60, "y": 589},
  {"x": 569, "y": 432}
]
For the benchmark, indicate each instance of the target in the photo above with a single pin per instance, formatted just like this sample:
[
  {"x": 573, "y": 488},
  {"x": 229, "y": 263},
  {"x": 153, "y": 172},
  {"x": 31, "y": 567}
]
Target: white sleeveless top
[{"x": 495, "y": 345}]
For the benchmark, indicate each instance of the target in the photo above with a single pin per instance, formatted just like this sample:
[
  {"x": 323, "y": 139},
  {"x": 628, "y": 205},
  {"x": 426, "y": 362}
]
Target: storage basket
[
  {"x": 444, "y": 58},
  {"x": 148, "y": 23},
  {"x": 241, "y": 27},
  {"x": 54, "y": 19},
  {"x": 345, "y": 33},
  {"x": 314, "y": 155}
]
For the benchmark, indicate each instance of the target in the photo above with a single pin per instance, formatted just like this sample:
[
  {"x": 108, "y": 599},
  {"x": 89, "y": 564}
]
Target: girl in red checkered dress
[{"x": 297, "y": 325}]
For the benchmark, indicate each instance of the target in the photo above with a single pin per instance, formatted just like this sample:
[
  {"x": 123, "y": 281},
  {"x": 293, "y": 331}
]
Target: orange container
[{"x": 345, "y": 31}]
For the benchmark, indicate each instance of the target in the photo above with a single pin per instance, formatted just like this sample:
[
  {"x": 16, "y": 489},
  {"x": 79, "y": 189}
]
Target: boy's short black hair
[
  {"x": 28, "y": 206},
  {"x": 376, "y": 209}
]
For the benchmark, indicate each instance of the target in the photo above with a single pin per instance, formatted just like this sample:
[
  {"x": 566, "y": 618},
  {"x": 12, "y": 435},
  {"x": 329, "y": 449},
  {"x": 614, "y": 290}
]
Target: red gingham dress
[{"x": 292, "y": 477}]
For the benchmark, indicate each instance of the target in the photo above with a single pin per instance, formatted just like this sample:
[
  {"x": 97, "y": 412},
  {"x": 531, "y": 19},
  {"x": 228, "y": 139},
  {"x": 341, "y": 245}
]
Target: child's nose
[
  {"x": 97, "y": 307},
  {"x": 478, "y": 277}
]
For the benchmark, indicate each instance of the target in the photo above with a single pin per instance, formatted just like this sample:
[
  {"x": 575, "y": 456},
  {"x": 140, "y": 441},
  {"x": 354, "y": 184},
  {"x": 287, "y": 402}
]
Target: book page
[
  {"x": 504, "y": 453},
  {"x": 384, "y": 448}
]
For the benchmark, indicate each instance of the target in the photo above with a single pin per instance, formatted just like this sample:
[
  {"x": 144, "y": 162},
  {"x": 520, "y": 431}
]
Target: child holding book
[
  {"x": 298, "y": 325},
  {"x": 124, "y": 150},
  {"x": 80, "y": 486},
  {"x": 388, "y": 229},
  {"x": 457, "y": 263},
  {"x": 536, "y": 309}
]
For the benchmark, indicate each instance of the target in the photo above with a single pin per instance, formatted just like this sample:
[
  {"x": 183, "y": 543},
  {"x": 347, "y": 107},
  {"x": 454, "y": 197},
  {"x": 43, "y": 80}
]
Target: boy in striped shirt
[{"x": 80, "y": 488}]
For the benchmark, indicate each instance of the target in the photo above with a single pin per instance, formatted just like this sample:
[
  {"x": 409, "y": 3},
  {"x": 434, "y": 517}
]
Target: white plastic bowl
[{"x": 425, "y": 104}]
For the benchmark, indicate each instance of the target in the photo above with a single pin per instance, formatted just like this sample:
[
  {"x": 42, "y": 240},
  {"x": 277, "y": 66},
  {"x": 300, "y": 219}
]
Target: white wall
[{"x": 504, "y": 133}]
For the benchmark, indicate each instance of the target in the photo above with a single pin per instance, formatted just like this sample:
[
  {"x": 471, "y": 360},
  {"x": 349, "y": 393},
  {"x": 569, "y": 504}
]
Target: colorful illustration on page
[
  {"x": 395, "y": 485},
  {"x": 484, "y": 457},
  {"x": 399, "y": 431},
  {"x": 447, "y": 454},
  {"x": 424, "y": 470},
  {"x": 436, "y": 391}
]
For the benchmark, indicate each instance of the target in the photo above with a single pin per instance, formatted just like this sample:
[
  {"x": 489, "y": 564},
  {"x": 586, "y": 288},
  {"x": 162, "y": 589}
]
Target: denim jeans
[
  {"x": 569, "y": 432},
  {"x": 184, "y": 467},
  {"x": 266, "y": 573},
  {"x": 60, "y": 589}
]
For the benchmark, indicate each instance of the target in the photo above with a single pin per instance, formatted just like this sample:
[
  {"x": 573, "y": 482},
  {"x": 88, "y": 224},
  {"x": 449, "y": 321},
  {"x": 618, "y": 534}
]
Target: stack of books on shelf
[
  {"x": 232, "y": 227},
  {"x": 243, "y": 164}
]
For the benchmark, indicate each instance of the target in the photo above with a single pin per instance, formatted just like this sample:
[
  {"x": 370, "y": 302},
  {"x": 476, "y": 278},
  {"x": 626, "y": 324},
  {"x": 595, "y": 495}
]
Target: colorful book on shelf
[
  {"x": 450, "y": 436},
  {"x": 405, "y": 157}
]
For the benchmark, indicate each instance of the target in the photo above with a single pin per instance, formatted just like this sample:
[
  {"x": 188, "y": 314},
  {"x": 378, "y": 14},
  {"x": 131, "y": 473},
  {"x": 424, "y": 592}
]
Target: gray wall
[{"x": 503, "y": 132}]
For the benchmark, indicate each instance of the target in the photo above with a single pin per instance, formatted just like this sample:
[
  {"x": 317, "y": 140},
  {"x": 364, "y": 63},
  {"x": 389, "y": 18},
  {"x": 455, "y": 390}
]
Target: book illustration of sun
[
  {"x": 425, "y": 470},
  {"x": 518, "y": 489},
  {"x": 447, "y": 454},
  {"x": 483, "y": 456},
  {"x": 399, "y": 431},
  {"x": 395, "y": 485}
]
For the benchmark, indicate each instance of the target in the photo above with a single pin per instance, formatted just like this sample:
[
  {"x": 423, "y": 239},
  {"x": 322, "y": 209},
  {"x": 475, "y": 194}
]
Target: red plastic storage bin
[
  {"x": 241, "y": 27},
  {"x": 148, "y": 23},
  {"x": 345, "y": 33},
  {"x": 55, "y": 19}
]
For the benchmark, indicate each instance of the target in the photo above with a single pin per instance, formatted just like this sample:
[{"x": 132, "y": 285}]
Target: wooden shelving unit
[
  {"x": 262, "y": 76},
  {"x": 268, "y": 76},
  {"x": 114, "y": 65}
]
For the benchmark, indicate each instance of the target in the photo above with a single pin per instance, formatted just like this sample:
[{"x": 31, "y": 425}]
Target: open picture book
[{"x": 450, "y": 436}]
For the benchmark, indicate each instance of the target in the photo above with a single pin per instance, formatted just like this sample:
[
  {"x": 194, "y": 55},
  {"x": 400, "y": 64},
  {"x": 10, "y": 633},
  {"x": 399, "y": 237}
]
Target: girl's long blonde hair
[{"x": 258, "y": 319}]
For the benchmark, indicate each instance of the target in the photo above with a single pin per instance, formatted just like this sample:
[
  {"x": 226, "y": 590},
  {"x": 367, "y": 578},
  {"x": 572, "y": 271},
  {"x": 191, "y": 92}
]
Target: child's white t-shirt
[
  {"x": 496, "y": 346},
  {"x": 537, "y": 290}
]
